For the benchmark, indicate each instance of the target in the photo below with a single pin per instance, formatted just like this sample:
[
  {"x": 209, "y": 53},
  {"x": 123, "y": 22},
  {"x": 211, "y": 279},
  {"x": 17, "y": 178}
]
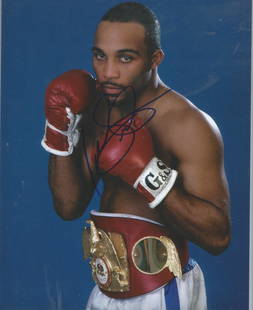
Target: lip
[{"x": 110, "y": 90}]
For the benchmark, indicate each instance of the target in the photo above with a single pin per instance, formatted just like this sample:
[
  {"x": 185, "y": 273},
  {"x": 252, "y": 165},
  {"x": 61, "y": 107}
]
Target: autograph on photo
[{"x": 126, "y": 126}]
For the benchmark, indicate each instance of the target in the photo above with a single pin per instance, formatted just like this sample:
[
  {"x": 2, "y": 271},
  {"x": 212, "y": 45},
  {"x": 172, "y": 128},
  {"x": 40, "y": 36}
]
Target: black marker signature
[{"x": 125, "y": 126}]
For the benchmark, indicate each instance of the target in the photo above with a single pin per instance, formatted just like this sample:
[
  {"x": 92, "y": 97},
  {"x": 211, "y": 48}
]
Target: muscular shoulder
[{"x": 182, "y": 128}]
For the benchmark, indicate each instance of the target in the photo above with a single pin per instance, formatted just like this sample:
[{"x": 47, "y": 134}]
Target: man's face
[{"x": 120, "y": 58}]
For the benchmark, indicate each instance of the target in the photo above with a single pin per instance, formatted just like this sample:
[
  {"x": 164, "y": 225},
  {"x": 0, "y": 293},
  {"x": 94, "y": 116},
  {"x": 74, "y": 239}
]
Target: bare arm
[
  {"x": 71, "y": 184},
  {"x": 198, "y": 205}
]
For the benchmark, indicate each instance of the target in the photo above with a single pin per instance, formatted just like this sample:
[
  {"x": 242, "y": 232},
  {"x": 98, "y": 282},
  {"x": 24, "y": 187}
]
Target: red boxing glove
[
  {"x": 127, "y": 152},
  {"x": 67, "y": 96}
]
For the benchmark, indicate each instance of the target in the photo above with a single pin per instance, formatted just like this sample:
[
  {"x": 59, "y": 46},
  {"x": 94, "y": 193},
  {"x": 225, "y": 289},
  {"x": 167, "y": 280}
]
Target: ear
[{"x": 157, "y": 58}]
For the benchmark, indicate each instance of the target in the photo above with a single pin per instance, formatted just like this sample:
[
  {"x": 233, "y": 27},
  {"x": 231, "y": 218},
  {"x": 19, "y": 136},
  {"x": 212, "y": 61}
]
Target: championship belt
[{"x": 130, "y": 255}]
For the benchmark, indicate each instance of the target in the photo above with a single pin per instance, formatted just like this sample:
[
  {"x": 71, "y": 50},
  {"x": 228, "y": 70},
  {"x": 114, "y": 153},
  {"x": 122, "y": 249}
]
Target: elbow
[
  {"x": 68, "y": 216},
  {"x": 219, "y": 245},
  {"x": 220, "y": 242},
  {"x": 68, "y": 211},
  {"x": 222, "y": 238}
]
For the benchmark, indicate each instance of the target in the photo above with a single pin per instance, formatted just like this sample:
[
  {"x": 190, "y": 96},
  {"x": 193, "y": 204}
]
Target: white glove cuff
[
  {"x": 157, "y": 179},
  {"x": 72, "y": 134},
  {"x": 54, "y": 151}
]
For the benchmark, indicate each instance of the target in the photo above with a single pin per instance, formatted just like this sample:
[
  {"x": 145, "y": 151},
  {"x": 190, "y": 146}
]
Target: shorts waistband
[{"x": 124, "y": 215}]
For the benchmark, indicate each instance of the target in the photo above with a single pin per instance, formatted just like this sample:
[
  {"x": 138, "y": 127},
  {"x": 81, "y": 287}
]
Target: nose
[{"x": 111, "y": 70}]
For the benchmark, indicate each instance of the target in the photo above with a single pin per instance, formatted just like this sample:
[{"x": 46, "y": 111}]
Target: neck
[{"x": 153, "y": 89}]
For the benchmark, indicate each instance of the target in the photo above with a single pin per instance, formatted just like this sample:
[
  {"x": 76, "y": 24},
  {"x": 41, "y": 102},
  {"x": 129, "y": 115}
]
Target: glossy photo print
[{"x": 125, "y": 146}]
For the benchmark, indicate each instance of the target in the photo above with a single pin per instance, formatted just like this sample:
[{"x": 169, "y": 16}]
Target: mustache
[{"x": 107, "y": 83}]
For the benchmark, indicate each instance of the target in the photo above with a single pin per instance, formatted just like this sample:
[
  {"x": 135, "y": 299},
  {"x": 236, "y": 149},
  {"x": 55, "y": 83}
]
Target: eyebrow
[
  {"x": 128, "y": 50},
  {"x": 96, "y": 49},
  {"x": 125, "y": 50}
]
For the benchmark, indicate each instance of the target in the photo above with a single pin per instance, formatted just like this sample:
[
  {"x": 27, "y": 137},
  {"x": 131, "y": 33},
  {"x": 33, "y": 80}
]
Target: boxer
[{"x": 161, "y": 162}]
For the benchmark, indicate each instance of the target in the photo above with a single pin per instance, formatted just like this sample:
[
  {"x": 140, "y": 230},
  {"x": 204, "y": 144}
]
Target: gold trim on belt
[{"x": 108, "y": 258}]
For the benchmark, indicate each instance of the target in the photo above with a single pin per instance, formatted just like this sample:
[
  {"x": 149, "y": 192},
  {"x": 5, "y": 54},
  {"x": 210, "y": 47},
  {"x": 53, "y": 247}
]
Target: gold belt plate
[{"x": 108, "y": 258}]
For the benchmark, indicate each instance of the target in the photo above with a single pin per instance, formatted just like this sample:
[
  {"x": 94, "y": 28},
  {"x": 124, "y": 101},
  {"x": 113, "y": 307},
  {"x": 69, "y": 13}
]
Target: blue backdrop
[{"x": 207, "y": 46}]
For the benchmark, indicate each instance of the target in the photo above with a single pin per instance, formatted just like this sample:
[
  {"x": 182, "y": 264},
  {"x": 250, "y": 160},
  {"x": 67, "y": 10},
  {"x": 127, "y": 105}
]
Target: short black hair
[{"x": 138, "y": 13}]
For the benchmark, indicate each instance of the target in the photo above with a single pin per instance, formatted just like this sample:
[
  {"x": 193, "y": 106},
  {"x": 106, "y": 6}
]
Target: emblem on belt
[
  {"x": 101, "y": 271},
  {"x": 108, "y": 258}
]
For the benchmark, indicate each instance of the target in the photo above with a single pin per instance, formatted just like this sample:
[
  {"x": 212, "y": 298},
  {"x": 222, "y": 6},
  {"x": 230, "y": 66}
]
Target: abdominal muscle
[{"x": 119, "y": 197}]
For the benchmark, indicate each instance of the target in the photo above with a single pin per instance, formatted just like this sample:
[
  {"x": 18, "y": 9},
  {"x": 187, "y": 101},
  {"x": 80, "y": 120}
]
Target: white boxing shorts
[{"x": 187, "y": 293}]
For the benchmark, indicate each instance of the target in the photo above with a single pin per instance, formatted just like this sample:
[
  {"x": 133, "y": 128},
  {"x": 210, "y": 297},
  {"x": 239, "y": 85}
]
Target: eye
[
  {"x": 125, "y": 58},
  {"x": 99, "y": 56}
]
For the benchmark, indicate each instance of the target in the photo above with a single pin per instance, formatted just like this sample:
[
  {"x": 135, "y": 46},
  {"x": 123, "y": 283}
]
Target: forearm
[
  {"x": 71, "y": 193},
  {"x": 198, "y": 220}
]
